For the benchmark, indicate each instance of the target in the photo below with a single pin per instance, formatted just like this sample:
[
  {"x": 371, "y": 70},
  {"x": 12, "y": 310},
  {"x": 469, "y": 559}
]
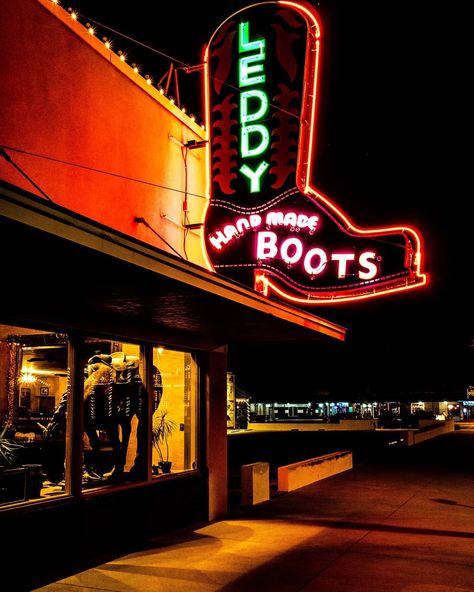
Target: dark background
[{"x": 389, "y": 151}]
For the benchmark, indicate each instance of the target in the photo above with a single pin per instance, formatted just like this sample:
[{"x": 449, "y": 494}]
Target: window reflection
[
  {"x": 174, "y": 423},
  {"x": 33, "y": 406}
]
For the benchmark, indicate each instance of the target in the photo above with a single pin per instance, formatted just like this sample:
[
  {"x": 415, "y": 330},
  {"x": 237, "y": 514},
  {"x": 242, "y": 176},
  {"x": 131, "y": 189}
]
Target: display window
[
  {"x": 115, "y": 414},
  {"x": 175, "y": 416},
  {"x": 33, "y": 406},
  {"x": 118, "y": 442}
]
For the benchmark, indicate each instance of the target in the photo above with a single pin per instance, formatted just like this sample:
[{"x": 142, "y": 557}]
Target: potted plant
[
  {"x": 9, "y": 448},
  {"x": 12, "y": 476},
  {"x": 162, "y": 429}
]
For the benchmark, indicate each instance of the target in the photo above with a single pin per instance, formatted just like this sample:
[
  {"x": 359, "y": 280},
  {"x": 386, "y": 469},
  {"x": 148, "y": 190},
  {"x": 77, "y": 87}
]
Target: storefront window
[
  {"x": 33, "y": 405},
  {"x": 174, "y": 432},
  {"x": 115, "y": 409}
]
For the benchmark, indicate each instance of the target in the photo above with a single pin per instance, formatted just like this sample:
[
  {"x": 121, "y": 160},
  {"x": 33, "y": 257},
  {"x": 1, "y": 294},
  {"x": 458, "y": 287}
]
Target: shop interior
[{"x": 34, "y": 382}]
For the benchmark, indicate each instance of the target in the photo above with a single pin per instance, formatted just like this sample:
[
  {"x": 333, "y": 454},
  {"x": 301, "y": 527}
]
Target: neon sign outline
[{"x": 305, "y": 153}]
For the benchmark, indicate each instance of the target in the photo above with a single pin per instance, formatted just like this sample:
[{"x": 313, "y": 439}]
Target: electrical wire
[
  {"x": 184, "y": 151},
  {"x": 9, "y": 159},
  {"x": 101, "y": 171},
  {"x": 161, "y": 53},
  {"x": 186, "y": 67},
  {"x": 141, "y": 220},
  {"x": 184, "y": 191}
]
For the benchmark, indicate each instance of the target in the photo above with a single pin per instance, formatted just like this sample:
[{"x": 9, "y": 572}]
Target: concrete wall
[
  {"x": 308, "y": 471},
  {"x": 345, "y": 424},
  {"x": 68, "y": 98},
  {"x": 445, "y": 428}
]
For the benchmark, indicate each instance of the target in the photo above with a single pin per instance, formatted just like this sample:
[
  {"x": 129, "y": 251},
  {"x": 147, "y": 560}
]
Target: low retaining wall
[
  {"x": 445, "y": 428},
  {"x": 308, "y": 471},
  {"x": 345, "y": 425}
]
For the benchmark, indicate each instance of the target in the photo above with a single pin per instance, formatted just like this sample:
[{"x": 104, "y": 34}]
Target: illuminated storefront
[{"x": 113, "y": 334}]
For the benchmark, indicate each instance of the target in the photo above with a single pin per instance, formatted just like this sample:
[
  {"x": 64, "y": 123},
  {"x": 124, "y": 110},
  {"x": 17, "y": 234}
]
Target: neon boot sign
[{"x": 266, "y": 225}]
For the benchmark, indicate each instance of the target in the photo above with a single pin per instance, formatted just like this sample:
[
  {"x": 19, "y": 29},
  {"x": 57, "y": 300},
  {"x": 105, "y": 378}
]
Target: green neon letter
[
  {"x": 259, "y": 146},
  {"x": 260, "y": 112},
  {"x": 250, "y": 72},
  {"x": 245, "y": 44},
  {"x": 254, "y": 176}
]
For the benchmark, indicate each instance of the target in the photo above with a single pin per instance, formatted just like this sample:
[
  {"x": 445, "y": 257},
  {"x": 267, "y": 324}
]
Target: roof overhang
[{"x": 60, "y": 263}]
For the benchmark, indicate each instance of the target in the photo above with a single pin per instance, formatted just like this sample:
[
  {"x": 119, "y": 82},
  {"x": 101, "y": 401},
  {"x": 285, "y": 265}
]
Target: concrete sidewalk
[{"x": 405, "y": 524}]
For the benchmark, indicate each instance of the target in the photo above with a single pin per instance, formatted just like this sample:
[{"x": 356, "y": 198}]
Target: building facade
[{"x": 113, "y": 335}]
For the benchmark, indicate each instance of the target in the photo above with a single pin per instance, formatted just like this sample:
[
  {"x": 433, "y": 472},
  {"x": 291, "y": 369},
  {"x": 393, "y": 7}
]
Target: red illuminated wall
[{"x": 65, "y": 96}]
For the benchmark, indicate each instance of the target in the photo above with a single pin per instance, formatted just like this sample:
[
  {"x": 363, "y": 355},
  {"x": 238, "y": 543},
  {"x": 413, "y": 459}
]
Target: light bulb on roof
[
  {"x": 73, "y": 14},
  {"x": 172, "y": 100},
  {"x": 162, "y": 91},
  {"x": 90, "y": 29},
  {"x": 55, "y": 1}
]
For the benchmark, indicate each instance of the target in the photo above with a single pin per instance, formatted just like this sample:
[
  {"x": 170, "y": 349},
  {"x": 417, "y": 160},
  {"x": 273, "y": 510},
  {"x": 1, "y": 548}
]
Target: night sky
[{"x": 388, "y": 152}]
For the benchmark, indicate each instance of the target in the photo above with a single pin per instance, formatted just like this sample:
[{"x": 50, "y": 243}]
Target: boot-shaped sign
[{"x": 265, "y": 225}]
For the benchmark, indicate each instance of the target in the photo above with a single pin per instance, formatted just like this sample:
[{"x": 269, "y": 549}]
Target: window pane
[
  {"x": 33, "y": 405},
  {"x": 175, "y": 414},
  {"x": 115, "y": 404}
]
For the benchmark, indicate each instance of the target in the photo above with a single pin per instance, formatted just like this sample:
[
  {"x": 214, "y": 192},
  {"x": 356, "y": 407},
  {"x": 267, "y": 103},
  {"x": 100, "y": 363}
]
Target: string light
[
  {"x": 55, "y": 1},
  {"x": 122, "y": 55}
]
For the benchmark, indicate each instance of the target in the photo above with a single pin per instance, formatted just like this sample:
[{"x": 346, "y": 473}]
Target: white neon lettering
[
  {"x": 230, "y": 231},
  {"x": 254, "y": 176},
  {"x": 342, "y": 259},
  {"x": 308, "y": 260},
  {"x": 218, "y": 240},
  {"x": 274, "y": 219},
  {"x": 255, "y": 220},
  {"x": 287, "y": 245},
  {"x": 266, "y": 245},
  {"x": 290, "y": 219},
  {"x": 311, "y": 222},
  {"x": 242, "y": 224},
  {"x": 366, "y": 263}
]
